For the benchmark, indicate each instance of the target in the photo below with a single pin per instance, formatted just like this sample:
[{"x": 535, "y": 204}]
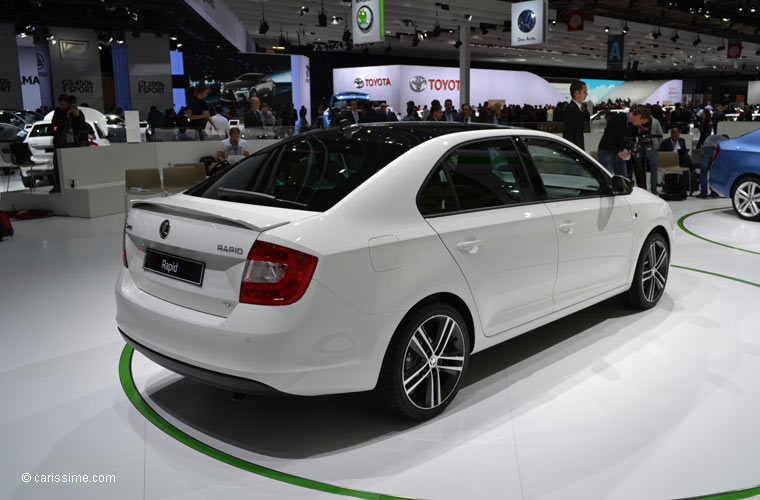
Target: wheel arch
[
  {"x": 454, "y": 301},
  {"x": 739, "y": 179}
]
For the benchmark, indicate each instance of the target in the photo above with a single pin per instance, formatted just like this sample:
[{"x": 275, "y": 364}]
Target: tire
[
  {"x": 415, "y": 356},
  {"x": 649, "y": 280},
  {"x": 746, "y": 198}
]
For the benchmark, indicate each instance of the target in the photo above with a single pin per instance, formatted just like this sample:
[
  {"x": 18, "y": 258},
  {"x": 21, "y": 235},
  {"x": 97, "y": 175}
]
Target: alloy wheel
[
  {"x": 655, "y": 271},
  {"x": 747, "y": 199},
  {"x": 433, "y": 362}
]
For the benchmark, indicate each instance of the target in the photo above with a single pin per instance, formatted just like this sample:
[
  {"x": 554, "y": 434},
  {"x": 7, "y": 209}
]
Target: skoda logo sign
[
  {"x": 163, "y": 231},
  {"x": 417, "y": 83},
  {"x": 364, "y": 19},
  {"x": 526, "y": 21},
  {"x": 358, "y": 82}
]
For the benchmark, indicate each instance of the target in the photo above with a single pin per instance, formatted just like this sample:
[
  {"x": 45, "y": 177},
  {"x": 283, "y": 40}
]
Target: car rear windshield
[
  {"x": 312, "y": 173},
  {"x": 42, "y": 130}
]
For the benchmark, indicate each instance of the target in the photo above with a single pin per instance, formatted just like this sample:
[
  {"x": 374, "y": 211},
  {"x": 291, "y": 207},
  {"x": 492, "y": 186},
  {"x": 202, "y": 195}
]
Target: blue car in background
[{"x": 735, "y": 173}]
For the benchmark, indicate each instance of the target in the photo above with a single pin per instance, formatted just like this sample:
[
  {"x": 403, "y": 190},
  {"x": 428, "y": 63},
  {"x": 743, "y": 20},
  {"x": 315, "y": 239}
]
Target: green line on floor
[
  {"x": 717, "y": 274},
  {"x": 687, "y": 231},
  {"x": 729, "y": 495},
  {"x": 128, "y": 384}
]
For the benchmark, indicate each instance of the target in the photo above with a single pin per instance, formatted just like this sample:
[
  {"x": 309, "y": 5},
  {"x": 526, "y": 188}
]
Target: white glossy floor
[{"x": 607, "y": 404}]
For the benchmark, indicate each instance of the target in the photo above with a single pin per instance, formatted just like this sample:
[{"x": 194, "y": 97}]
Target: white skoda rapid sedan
[{"x": 380, "y": 257}]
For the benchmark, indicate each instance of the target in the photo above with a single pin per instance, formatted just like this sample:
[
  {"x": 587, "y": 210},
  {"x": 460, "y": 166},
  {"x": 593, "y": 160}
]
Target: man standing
[
  {"x": 197, "y": 110},
  {"x": 449, "y": 113},
  {"x": 155, "y": 121},
  {"x": 572, "y": 121},
  {"x": 436, "y": 113},
  {"x": 252, "y": 117},
  {"x": 613, "y": 152},
  {"x": 466, "y": 114},
  {"x": 384, "y": 114},
  {"x": 705, "y": 162},
  {"x": 63, "y": 137},
  {"x": 222, "y": 124},
  {"x": 351, "y": 114}
]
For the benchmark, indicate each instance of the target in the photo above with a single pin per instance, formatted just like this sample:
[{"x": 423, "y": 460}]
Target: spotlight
[
  {"x": 606, "y": 29},
  {"x": 263, "y": 27},
  {"x": 554, "y": 22},
  {"x": 304, "y": 10},
  {"x": 336, "y": 20},
  {"x": 468, "y": 17},
  {"x": 322, "y": 19},
  {"x": 119, "y": 39},
  {"x": 697, "y": 41},
  {"x": 625, "y": 29},
  {"x": 179, "y": 45},
  {"x": 674, "y": 38},
  {"x": 173, "y": 37},
  {"x": 458, "y": 44}
]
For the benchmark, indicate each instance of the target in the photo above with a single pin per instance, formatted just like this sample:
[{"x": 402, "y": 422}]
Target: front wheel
[
  {"x": 651, "y": 273},
  {"x": 425, "y": 363},
  {"x": 746, "y": 198}
]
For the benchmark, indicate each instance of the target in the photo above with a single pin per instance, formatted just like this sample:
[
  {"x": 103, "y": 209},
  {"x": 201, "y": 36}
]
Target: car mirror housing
[{"x": 621, "y": 185}]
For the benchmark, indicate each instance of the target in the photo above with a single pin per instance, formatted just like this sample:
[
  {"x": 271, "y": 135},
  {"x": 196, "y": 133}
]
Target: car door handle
[
  {"x": 469, "y": 246},
  {"x": 567, "y": 227}
]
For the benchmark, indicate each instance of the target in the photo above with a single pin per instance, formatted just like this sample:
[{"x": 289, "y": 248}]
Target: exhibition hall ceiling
[{"x": 649, "y": 40}]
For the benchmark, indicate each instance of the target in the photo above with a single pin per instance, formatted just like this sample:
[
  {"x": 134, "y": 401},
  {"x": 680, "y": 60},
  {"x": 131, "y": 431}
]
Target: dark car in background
[
  {"x": 246, "y": 86},
  {"x": 735, "y": 173}
]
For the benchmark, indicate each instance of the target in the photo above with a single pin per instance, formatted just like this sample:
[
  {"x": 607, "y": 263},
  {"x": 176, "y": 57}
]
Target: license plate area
[{"x": 178, "y": 268}]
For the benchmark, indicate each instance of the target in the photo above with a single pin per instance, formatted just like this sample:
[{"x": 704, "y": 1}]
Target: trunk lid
[{"x": 210, "y": 239}]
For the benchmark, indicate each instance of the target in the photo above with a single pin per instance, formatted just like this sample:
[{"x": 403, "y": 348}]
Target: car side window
[
  {"x": 481, "y": 175},
  {"x": 564, "y": 172}
]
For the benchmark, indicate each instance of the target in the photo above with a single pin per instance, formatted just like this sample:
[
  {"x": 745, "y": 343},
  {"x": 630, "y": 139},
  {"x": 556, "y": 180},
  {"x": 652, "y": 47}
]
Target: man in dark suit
[
  {"x": 351, "y": 114},
  {"x": 384, "y": 114},
  {"x": 252, "y": 117},
  {"x": 572, "y": 119},
  {"x": 466, "y": 116},
  {"x": 676, "y": 143}
]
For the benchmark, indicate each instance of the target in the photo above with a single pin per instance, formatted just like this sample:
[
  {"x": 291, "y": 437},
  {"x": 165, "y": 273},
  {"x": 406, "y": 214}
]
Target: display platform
[{"x": 607, "y": 403}]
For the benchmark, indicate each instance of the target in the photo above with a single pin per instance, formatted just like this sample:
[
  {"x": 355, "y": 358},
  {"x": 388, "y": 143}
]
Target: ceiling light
[
  {"x": 752, "y": 10},
  {"x": 304, "y": 10},
  {"x": 336, "y": 20},
  {"x": 606, "y": 29},
  {"x": 626, "y": 29},
  {"x": 554, "y": 21},
  {"x": 468, "y": 17},
  {"x": 458, "y": 44},
  {"x": 674, "y": 38},
  {"x": 697, "y": 41},
  {"x": 725, "y": 19}
]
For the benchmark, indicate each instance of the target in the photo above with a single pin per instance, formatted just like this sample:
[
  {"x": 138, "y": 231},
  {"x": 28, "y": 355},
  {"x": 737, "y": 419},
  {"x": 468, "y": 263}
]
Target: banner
[
  {"x": 30, "y": 80},
  {"x": 10, "y": 81},
  {"x": 367, "y": 21},
  {"x": 75, "y": 65},
  {"x": 529, "y": 22},
  {"x": 575, "y": 21},
  {"x": 615, "y": 52},
  {"x": 150, "y": 73}
]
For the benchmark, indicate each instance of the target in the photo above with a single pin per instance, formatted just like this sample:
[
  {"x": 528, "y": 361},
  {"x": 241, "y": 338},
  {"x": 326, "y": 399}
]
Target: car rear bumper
[{"x": 319, "y": 345}]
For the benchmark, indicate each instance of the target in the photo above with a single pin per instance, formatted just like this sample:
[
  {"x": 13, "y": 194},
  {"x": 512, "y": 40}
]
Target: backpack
[
  {"x": 5, "y": 225},
  {"x": 674, "y": 187}
]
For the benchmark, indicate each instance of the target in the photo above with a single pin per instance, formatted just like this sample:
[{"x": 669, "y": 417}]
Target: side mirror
[{"x": 621, "y": 185}]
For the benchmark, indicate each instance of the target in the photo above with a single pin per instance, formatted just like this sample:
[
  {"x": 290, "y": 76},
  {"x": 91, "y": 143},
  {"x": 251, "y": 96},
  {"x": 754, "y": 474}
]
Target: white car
[
  {"x": 381, "y": 257},
  {"x": 40, "y": 140}
]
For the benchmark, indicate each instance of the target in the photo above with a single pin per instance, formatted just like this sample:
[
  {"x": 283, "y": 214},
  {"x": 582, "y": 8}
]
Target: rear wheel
[
  {"x": 746, "y": 198},
  {"x": 425, "y": 363},
  {"x": 651, "y": 274}
]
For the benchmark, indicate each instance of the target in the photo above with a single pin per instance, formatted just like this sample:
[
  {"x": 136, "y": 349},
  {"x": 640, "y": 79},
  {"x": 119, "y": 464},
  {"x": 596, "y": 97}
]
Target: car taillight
[
  {"x": 717, "y": 150},
  {"x": 124, "y": 246},
  {"x": 93, "y": 143},
  {"x": 275, "y": 275}
]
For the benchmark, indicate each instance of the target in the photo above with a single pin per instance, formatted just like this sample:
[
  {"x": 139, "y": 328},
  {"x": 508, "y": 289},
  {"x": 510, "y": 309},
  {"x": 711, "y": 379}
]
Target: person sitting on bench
[{"x": 676, "y": 143}]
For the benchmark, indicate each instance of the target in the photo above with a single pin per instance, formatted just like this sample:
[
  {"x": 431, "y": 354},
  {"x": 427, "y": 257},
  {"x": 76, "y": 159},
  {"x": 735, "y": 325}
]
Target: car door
[
  {"x": 594, "y": 229},
  {"x": 479, "y": 202}
]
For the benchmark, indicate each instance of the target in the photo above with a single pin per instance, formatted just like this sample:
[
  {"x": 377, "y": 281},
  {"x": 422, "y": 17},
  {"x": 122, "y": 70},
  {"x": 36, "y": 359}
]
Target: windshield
[{"x": 311, "y": 173}]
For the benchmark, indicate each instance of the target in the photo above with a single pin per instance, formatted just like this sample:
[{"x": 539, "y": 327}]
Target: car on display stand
[
  {"x": 40, "y": 140},
  {"x": 246, "y": 86},
  {"x": 380, "y": 257},
  {"x": 338, "y": 103},
  {"x": 735, "y": 173}
]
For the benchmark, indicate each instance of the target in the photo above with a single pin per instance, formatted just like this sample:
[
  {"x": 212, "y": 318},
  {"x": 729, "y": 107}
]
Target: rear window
[
  {"x": 311, "y": 173},
  {"x": 42, "y": 130}
]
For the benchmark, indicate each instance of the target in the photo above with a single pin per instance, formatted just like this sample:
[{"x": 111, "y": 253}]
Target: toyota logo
[
  {"x": 526, "y": 21},
  {"x": 418, "y": 83},
  {"x": 358, "y": 82},
  {"x": 163, "y": 231}
]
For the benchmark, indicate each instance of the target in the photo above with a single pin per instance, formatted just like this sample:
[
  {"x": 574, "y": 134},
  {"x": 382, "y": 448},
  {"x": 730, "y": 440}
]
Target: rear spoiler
[{"x": 211, "y": 215}]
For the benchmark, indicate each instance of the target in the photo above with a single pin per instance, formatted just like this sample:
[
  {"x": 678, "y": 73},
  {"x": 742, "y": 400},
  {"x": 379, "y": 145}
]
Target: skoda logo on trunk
[
  {"x": 163, "y": 231},
  {"x": 418, "y": 83},
  {"x": 358, "y": 82}
]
